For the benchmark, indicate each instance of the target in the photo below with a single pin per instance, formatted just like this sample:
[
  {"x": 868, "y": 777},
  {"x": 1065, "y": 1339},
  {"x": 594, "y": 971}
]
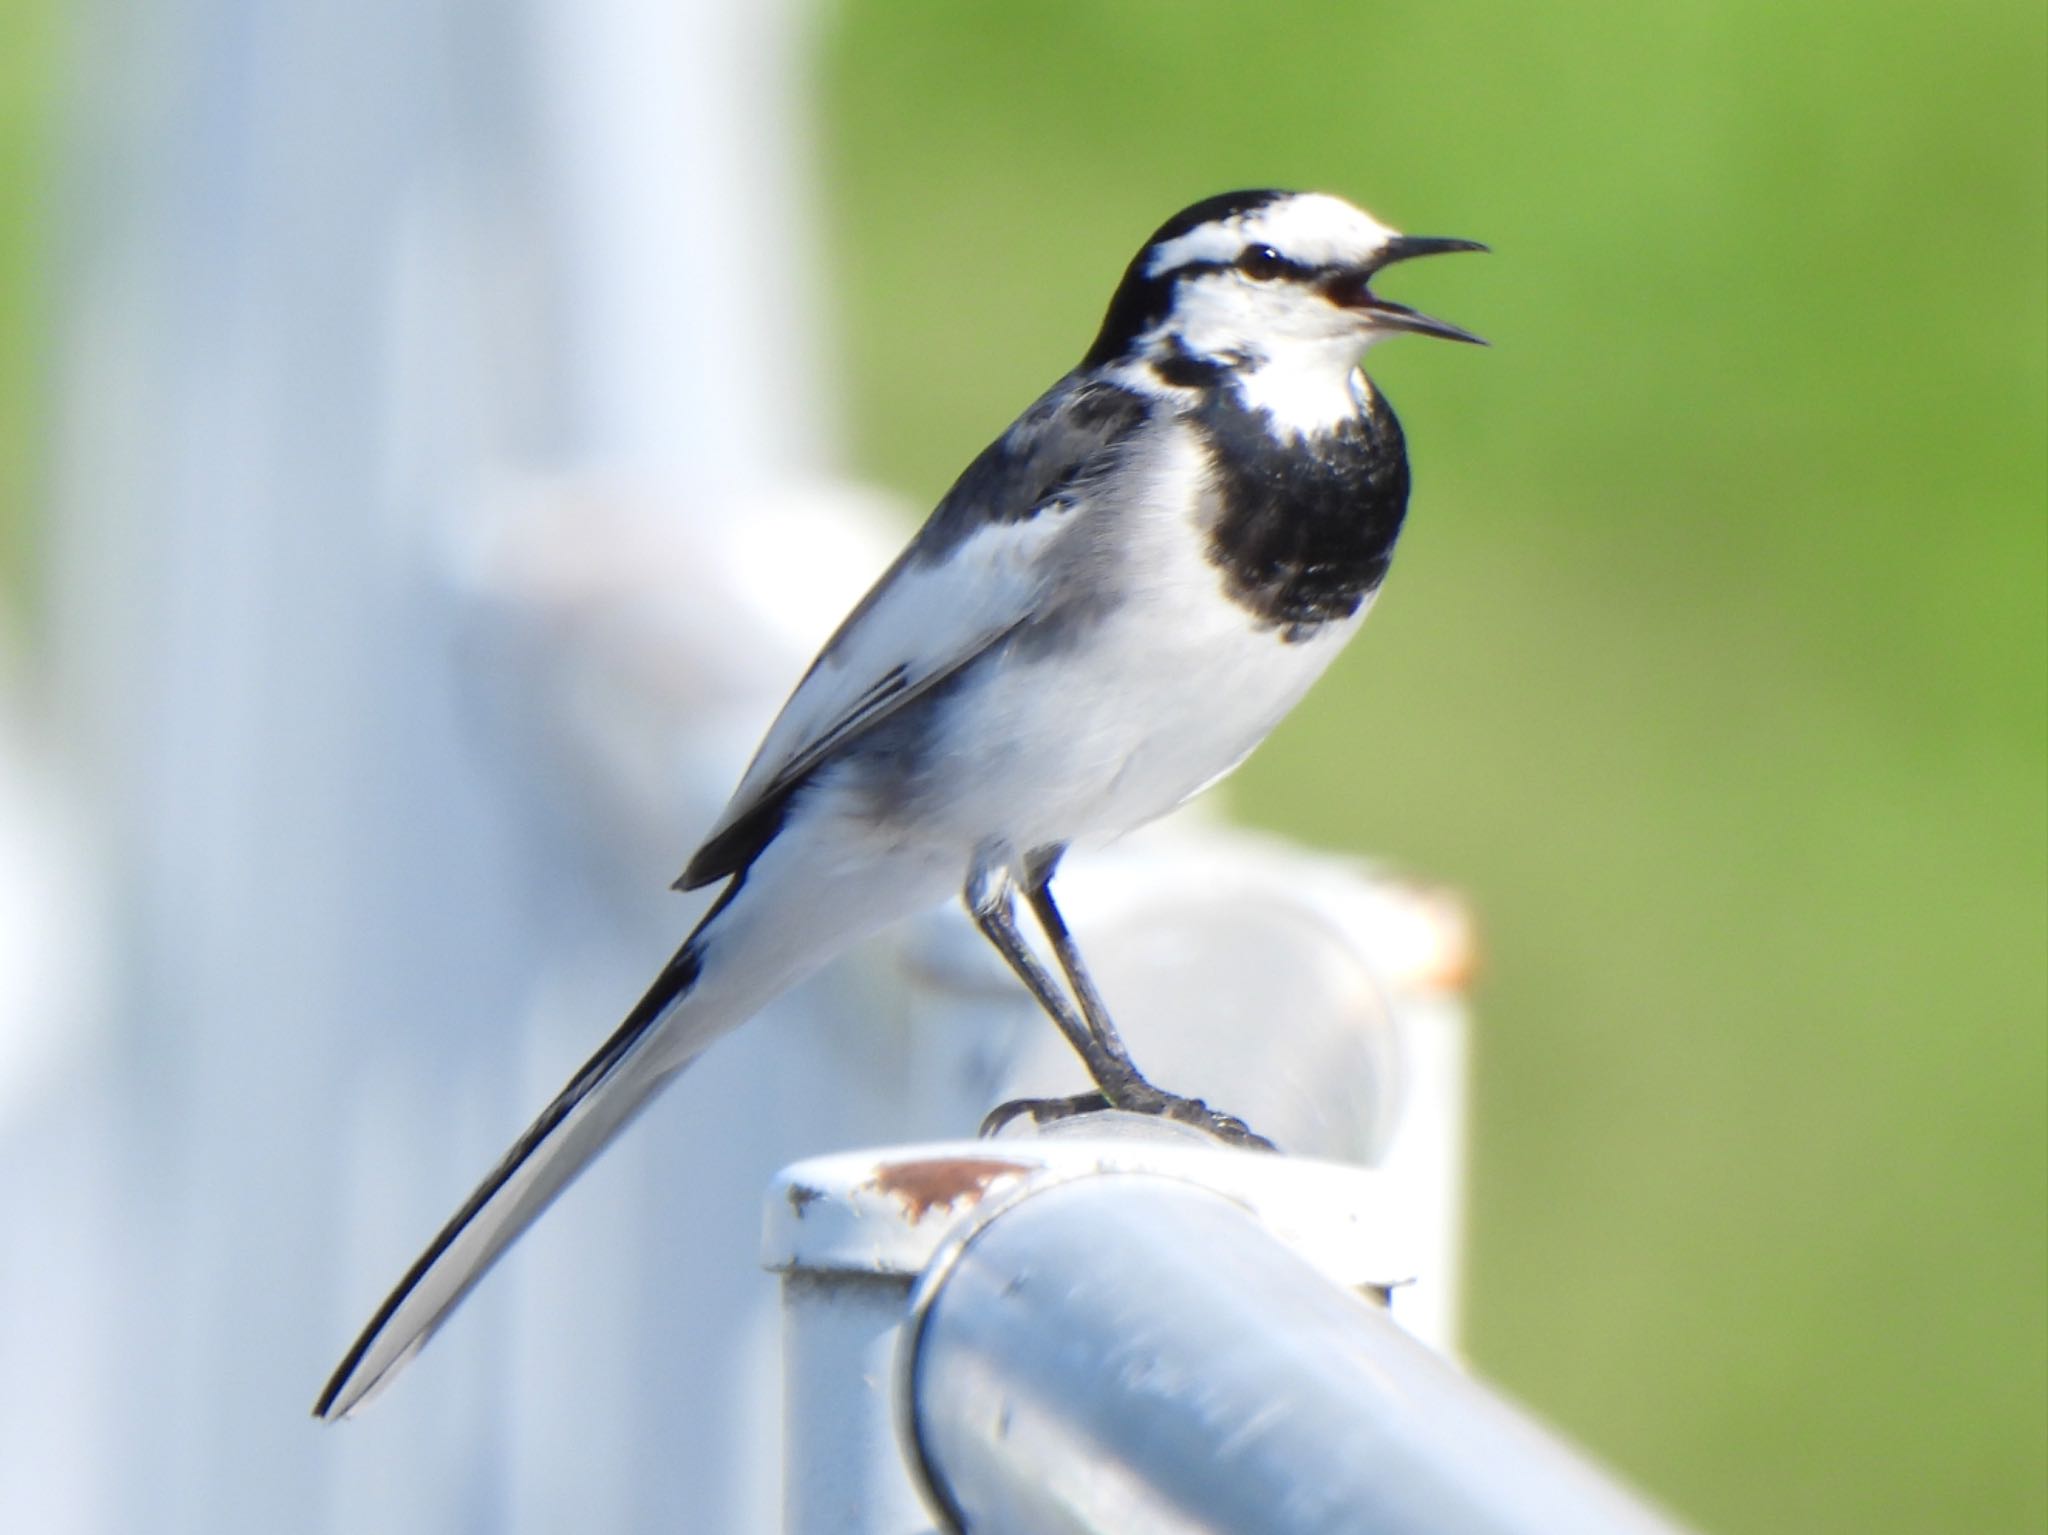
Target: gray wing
[{"x": 973, "y": 574}]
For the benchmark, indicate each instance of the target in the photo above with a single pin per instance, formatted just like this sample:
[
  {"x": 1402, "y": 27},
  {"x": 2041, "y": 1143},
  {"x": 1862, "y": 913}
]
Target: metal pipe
[
  {"x": 853, "y": 1232},
  {"x": 1133, "y": 1354}
]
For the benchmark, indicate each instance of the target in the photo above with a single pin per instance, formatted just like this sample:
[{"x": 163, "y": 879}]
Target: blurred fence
[{"x": 430, "y": 375}]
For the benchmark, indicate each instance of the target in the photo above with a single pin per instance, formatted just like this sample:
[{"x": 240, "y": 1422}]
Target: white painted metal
[
  {"x": 1137, "y": 1355},
  {"x": 851, "y": 1234},
  {"x": 1136, "y": 1336},
  {"x": 843, "y": 1467}
]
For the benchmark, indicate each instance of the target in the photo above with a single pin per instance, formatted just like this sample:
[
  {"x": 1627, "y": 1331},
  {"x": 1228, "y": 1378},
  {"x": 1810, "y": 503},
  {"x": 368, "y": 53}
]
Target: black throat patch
[{"x": 1305, "y": 527}]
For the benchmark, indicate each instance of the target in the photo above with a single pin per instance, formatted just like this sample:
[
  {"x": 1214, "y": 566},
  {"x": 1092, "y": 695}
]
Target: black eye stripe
[
  {"x": 1260, "y": 262},
  {"x": 1264, "y": 264}
]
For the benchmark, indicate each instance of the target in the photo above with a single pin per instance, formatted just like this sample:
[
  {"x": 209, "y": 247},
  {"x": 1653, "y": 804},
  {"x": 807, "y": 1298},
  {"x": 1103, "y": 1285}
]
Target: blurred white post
[{"x": 431, "y": 374}]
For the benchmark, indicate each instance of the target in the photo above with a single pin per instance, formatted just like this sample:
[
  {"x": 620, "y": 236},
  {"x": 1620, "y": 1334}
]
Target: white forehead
[{"x": 1309, "y": 227}]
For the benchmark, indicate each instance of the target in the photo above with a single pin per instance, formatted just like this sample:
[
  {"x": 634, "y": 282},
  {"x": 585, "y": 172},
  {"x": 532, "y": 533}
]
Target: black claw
[{"x": 1041, "y": 1110}]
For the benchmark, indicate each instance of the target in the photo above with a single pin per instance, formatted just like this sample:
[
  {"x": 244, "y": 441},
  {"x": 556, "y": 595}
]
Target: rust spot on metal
[
  {"x": 801, "y": 1197},
  {"x": 944, "y": 1182}
]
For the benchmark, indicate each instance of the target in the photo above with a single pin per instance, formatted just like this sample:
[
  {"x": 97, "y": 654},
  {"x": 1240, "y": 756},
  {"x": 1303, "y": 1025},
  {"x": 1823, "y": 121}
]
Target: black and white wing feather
[{"x": 974, "y": 574}]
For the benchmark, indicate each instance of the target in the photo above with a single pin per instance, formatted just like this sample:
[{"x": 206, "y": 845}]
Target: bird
[{"x": 1115, "y": 603}]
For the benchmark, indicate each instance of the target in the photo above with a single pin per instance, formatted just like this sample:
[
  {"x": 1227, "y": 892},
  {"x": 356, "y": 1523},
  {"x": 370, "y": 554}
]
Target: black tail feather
[{"x": 674, "y": 982}]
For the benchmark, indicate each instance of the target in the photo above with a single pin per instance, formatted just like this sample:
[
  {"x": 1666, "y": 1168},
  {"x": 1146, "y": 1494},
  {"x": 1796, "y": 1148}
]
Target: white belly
[{"x": 1166, "y": 695}]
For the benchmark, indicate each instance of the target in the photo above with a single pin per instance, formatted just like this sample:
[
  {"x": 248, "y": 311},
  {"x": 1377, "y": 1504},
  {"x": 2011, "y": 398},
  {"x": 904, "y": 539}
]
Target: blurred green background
[
  {"x": 30, "y": 72},
  {"x": 1712, "y": 668}
]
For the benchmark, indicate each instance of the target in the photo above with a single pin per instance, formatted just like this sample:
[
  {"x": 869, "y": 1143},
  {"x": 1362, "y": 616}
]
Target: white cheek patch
[
  {"x": 1219, "y": 312},
  {"x": 1224, "y": 314}
]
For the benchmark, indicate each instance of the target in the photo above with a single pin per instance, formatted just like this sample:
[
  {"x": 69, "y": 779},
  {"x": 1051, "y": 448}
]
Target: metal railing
[{"x": 1137, "y": 1337}]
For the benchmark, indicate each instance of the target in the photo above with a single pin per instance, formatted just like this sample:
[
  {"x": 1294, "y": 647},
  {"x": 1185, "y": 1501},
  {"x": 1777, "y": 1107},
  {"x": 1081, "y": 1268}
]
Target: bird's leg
[
  {"x": 990, "y": 898},
  {"x": 1122, "y": 1084},
  {"x": 1038, "y": 872}
]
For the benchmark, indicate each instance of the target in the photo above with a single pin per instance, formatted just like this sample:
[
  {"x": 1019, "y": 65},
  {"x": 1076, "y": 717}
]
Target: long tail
[
  {"x": 818, "y": 887},
  {"x": 613, "y": 1086}
]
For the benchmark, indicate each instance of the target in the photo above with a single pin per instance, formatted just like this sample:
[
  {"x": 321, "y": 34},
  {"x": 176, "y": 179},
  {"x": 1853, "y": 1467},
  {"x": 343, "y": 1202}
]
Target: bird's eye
[{"x": 1263, "y": 262}]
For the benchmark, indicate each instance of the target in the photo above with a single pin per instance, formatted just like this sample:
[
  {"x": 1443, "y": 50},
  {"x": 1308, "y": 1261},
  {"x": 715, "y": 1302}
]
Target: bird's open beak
[{"x": 1353, "y": 289}]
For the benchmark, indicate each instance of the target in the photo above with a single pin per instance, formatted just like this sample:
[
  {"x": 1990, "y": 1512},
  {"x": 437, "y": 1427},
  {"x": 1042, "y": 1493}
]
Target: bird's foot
[
  {"x": 1143, "y": 1098},
  {"x": 1136, "y": 1096}
]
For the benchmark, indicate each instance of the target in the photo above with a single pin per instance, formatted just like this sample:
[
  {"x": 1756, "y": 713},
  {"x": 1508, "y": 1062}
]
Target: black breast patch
[{"x": 1305, "y": 527}]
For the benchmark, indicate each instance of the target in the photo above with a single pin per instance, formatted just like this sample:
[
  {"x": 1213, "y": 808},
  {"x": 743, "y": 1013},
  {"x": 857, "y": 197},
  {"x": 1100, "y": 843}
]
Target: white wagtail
[{"x": 1116, "y": 602}]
